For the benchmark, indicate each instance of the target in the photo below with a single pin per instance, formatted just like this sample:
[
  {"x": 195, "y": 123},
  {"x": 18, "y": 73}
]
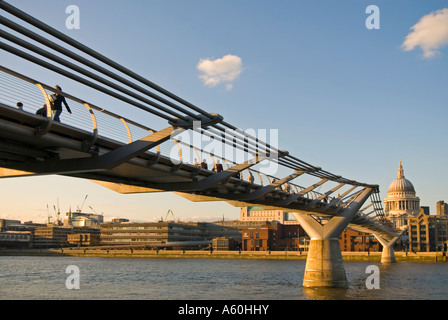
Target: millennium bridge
[{"x": 155, "y": 153}]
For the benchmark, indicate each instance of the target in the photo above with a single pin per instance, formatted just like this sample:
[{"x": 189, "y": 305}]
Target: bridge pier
[
  {"x": 387, "y": 255},
  {"x": 324, "y": 264}
]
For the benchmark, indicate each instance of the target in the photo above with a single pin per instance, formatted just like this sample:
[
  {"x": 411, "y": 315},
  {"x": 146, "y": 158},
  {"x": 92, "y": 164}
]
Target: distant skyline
[{"x": 352, "y": 100}]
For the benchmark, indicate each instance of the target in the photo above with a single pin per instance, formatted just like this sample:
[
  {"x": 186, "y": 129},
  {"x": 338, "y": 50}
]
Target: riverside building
[
  {"x": 351, "y": 240},
  {"x": 273, "y": 236},
  {"x": 168, "y": 233},
  {"x": 258, "y": 214},
  {"x": 428, "y": 232},
  {"x": 79, "y": 219},
  {"x": 55, "y": 236}
]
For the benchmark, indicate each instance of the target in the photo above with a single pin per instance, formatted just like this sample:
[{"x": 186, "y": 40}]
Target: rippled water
[{"x": 29, "y": 278}]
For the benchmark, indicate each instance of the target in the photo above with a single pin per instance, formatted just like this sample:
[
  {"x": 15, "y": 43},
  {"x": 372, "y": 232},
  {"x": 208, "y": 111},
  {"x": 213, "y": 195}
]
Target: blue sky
[{"x": 343, "y": 97}]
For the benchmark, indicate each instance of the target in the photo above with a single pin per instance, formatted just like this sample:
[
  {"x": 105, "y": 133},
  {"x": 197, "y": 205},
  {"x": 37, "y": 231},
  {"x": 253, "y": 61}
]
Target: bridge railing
[
  {"x": 86, "y": 116},
  {"x": 15, "y": 88}
]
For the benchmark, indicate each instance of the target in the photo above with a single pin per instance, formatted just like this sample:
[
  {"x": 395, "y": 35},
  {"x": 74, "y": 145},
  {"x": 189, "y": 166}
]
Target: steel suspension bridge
[{"x": 131, "y": 156}]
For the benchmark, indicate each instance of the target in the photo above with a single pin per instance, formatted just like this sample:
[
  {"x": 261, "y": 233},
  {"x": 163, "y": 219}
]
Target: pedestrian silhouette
[
  {"x": 20, "y": 106},
  {"x": 56, "y": 106},
  {"x": 42, "y": 111},
  {"x": 204, "y": 164},
  {"x": 219, "y": 167}
]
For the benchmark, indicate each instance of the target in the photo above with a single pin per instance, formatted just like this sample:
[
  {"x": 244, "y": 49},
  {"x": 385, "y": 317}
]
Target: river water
[{"x": 31, "y": 278}]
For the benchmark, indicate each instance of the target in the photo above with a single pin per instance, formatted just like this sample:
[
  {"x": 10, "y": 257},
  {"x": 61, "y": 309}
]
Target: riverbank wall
[{"x": 186, "y": 254}]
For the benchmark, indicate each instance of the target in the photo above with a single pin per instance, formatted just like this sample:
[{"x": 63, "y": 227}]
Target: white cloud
[
  {"x": 430, "y": 33},
  {"x": 223, "y": 70}
]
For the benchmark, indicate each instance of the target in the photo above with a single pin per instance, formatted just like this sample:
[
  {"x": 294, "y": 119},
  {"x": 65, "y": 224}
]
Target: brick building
[
  {"x": 272, "y": 236},
  {"x": 225, "y": 244},
  {"x": 351, "y": 240}
]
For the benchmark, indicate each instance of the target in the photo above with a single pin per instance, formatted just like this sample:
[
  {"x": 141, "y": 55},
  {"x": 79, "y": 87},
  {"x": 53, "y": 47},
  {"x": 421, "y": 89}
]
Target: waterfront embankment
[{"x": 185, "y": 254}]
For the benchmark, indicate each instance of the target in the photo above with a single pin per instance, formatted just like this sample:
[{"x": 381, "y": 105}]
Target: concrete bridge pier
[
  {"x": 324, "y": 265},
  {"x": 387, "y": 255}
]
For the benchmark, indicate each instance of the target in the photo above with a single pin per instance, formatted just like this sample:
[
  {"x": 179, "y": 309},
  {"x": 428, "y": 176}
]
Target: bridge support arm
[
  {"x": 387, "y": 255},
  {"x": 324, "y": 266},
  {"x": 205, "y": 183},
  {"x": 302, "y": 193}
]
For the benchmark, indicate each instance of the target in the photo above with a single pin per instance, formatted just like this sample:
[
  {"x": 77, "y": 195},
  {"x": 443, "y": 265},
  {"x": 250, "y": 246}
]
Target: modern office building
[
  {"x": 55, "y": 236},
  {"x": 51, "y": 236},
  {"x": 180, "y": 234},
  {"x": 5, "y": 224}
]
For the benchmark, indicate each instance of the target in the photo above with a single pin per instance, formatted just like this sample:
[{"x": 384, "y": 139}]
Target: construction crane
[
  {"x": 48, "y": 215},
  {"x": 80, "y": 209},
  {"x": 95, "y": 211},
  {"x": 58, "y": 213},
  {"x": 172, "y": 214}
]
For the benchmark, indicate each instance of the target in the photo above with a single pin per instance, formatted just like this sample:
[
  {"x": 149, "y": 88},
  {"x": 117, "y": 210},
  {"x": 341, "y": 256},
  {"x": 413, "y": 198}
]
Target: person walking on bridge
[{"x": 58, "y": 100}]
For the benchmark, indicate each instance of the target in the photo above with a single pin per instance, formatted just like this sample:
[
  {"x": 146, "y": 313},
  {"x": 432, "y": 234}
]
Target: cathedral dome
[
  {"x": 401, "y": 201},
  {"x": 401, "y": 184}
]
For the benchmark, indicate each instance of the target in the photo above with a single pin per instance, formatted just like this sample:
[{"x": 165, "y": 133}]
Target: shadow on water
[
  {"x": 358, "y": 284},
  {"x": 396, "y": 281},
  {"x": 326, "y": 294}
]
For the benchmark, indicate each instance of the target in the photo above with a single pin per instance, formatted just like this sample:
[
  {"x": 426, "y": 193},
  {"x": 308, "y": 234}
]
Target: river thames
[{"x": 31, "y": 277}]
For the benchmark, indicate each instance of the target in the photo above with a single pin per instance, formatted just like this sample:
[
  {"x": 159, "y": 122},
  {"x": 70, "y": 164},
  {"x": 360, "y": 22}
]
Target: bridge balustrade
[{"x": 103, "y": 123}]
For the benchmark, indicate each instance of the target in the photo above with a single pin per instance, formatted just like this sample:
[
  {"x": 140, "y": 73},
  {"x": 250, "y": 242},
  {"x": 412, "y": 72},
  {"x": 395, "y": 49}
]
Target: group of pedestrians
[
  {"x": 56, "y": 101},
  {"x": 217, "y": 167}
]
